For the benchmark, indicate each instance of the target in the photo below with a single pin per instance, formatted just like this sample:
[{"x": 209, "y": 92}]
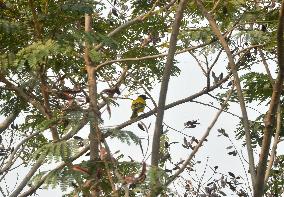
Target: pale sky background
[{"x": 187, "y": 83}]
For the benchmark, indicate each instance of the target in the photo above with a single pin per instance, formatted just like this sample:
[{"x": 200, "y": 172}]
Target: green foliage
[
  {"x": 157, "y": 172},
  {"x": 256, "y": 87},
  {"x": 61, "y": 177},
  {"x": 276, "y": 180},
  {"x": 95, "y": 56},
  {"x": 105, "y": 40},
  {"x": 256, "y": 130},
  {"x": 36, "y": 179},
  {"x": 38, "y": 52},
  {"x": 79, "y": 8},
  {"x": 8, "y": 27},
  {"x": 56, "y": 151},
  {"x": 12, "y": 103},
  {"x": 41, "y": 54},
  {"x": 199, "y": 35},
  {"x": 124, "y": 136}
]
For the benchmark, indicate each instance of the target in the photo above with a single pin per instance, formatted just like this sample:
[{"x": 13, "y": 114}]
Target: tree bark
[
  {"x": 33, "y": 188},
  {"x": 92, "y": 83},
  {"x": 27, "y": 178},
  {"x": 269, "y": 121},
  {"x": 163, "y": 94},
  {"x": 6, "y": 123},
  {"x": 234, "y": 70},
  {"x": 94, "y": 135}
]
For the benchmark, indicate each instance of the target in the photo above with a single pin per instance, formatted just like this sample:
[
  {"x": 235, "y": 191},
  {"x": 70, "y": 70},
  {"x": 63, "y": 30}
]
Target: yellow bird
[{"x": 138, "y": 105}]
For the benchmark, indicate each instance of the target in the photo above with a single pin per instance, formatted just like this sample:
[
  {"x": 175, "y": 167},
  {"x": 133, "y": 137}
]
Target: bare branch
[
  {"x": 234, "y": 70},
  {"x": 27, "y": 178},
  {"x": 274, "y": 146},
  {"x": 135, "y": 20},
  {"x": 163, "y": 93},
  {"x": 92, "y": 83},
  {"x": 76, "y": 128},
  {"x": 209, "y": 105},
  {"x": 37, "y": 25},
  {"x": 116, "y": 172},
  {"x": 173, "y": 104},
  {"x": 278, "y": 124},
  {"x": 30, "y": 98},
  {"x": 269, "y": 120},
  {"x": 165, "y": 81},
  {"x": 20, "y": 93},
  {"x": 205, "y": 90},
  {"x": 266, "y": 67},
  {"x": 133, "y": 59},
  {"x": 205, "y": 135},
  {"x": 214, "y": 7},
  {"x": 6, "y": 123},
  {"x": 60, "y": 166},
  {"x": 151, "y": 56},
  {"x": 198, "y": 62},
  {"x": 10, "y": 161}
]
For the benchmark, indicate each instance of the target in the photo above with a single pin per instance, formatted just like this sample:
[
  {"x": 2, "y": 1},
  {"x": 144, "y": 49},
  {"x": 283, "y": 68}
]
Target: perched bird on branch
[{"x": 138, "y": 105}]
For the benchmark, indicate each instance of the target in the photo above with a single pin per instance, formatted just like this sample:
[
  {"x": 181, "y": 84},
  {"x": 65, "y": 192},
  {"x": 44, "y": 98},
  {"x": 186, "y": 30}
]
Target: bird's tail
[{"x": 134, "y": 114}]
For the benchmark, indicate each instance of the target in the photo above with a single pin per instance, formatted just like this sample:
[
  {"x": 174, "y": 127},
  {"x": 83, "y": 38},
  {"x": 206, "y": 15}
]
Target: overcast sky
[{"x": 187, "y": 83}]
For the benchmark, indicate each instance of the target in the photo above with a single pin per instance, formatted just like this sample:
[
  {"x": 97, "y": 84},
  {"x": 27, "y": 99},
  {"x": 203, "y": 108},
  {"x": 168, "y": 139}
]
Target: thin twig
[
  {"x": 33, "y": 188},
  {"x": 150, "y": 56},
  {"x": 196, "y": 148},
  {"x": 134, "y": 21},
  {"x": 215, "y": 6},
  {"x": 266, "y": 66},
  {"x": 10, "y": 161},
  {"x": 234, "y": 71},
  {"x": 209, "y": 105},
  {"x": 274, "y": 146},
  {"x": 119, "y": 176},
  {"x": 173, "y": 104}
]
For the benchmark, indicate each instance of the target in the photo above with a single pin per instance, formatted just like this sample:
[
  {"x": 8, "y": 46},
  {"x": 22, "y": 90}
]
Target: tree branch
[
  {"x": 205, "y": 90},
  {"x": 76, "y": 128},
  {"x": 94, "y": 135},
  {"x": 135, "y": 20},
  {"x": 151, "y": 56},
  {"x": 116, "y": 172},
  {"x": 173, "y": 104},
  {"x": 27, "y": 178},
  {"x": 163, "y": 95},
  {"x": 269, "y": 120},
  {"x": 45, "y": 95},
  {"x": 10, "y": 162},
  {"x": 196, "y": 148},
  {"x": 34, "y": 169},
  {"x": 274, "y": 146},
  {"x": 234, "y": 70},
  {"x": 30, "y": 99},
  {"x": 60, "y": 166},
  {"x": 20, "y": 93},
  {"x": 6, "y": 123},
  {"x": 37, "y": 25},
  {"x": 266, "y": 67}
]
